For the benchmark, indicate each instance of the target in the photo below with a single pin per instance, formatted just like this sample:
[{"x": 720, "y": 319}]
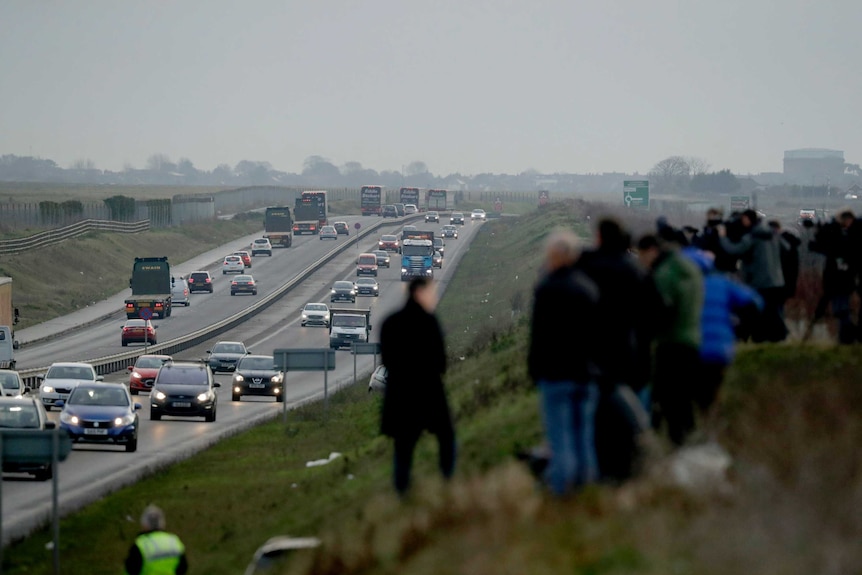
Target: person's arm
[
  {"x": 735, "y": 248},
  {"x": 134, "y": 562},
  {"x": 183, "y": 567}
]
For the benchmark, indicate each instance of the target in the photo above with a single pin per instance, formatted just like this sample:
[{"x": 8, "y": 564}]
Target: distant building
[{"x": 813, "y": 166}]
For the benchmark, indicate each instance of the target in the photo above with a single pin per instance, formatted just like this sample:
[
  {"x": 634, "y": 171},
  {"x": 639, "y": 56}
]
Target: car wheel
[
  {"x": 132, "y": 445},
  {"x": 254, "y": 292},
  {"x": 44, "y": 474},
  {"x": 125, "y": 343},
  {"x": 211, "y": 416},
  {"x": 224, "y": 272},
  {"x": 279, "y": 398},
  {"x": 133, "y": 391},
  {"x": 233, "y": 293},
  {"x": 155, "y": 416},
  {"x": 235, "y": 397}
]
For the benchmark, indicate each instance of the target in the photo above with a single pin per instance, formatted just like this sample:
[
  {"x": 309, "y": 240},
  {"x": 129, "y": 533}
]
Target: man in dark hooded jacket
[{"x": 412, "y": 349}]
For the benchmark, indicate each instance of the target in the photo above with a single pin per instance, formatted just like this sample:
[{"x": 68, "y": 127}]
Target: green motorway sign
[
  {"x": 739, "y": 203},
  {"x": 636, "y": 194}
]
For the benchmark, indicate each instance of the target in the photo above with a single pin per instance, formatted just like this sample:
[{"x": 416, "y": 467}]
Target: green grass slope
[{"x": 789, "y": 417}]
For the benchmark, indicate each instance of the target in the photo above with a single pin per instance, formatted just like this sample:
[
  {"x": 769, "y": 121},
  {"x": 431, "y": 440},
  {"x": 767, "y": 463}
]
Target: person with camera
[
  {"x": 759, "y": 249},
  {"x": 709, "y": 239}
]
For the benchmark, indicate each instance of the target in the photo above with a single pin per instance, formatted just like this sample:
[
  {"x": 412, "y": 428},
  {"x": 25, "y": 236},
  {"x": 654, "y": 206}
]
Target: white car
[
  {"x": 62, "y": 378},
  {"x": 477, "y": 214},
  {"x": 315, "y": 314},
  {"x": 328, "y": 233},
  {"x": 410, "y": 209},
  {"x": 180, "y": 292},
  {"x": 11, "y": 384},
  {"x": 261, "y": 246},
  {"x": 232, "y": 265},
  {"x": 377, "y": 382}
]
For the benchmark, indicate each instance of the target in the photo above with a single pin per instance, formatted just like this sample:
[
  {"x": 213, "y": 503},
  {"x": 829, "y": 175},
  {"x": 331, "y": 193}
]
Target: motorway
[{"x": 92, "y": 471}]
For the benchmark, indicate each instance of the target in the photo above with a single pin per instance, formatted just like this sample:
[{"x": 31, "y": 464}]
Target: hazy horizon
[{"x": 489, "y": 86}]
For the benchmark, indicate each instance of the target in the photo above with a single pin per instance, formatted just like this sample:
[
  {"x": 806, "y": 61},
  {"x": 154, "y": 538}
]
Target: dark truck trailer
[
  {"x": 409, "y": 196},
  {"x": 370, "y": 198},
  {"x": 278, "y": 226},
  {"x": 435, "y": 200},
  {"x": 320, "y": 196},
  {"x": 306, "y": 213},
  {"x": 151, "y": 283}
]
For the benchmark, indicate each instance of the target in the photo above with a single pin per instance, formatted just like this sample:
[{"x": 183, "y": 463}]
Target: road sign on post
[
  {"x": 636, "y": 194},
  {"x": 364, "y": 348},
  {"x": 739, "y": 203},
  {"x": 146, "y": 313},
  {"x": 305, "y": 359}
]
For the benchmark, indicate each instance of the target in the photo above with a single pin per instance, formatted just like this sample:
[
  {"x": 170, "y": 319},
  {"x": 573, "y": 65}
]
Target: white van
[{"x": 7, "y": 348}]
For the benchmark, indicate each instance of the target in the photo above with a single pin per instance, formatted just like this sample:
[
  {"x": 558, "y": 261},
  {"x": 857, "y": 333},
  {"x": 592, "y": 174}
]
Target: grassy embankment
[{"x": 789, "y": 418}]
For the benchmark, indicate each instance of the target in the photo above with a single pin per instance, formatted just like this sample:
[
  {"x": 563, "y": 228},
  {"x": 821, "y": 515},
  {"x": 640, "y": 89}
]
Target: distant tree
[
  {"x": 320, "y": 167},
  {"x": 416, "y": 168},
  {"x": 160, "y": 163},
  {"x": 186, "y": 167},
  {"x": 122, "y": 208},
  {"x": 72, "y": 209},
  {"x": 670, "y": 174},
  {"x": 721, "y": 182},
  {"x": 222, "y": 173},
  {"x": 84, "y": 164},
  {"x": 697, "y": 165},
  {"x": 351, "y": 168},
  {"x": 247, "y": 167}
]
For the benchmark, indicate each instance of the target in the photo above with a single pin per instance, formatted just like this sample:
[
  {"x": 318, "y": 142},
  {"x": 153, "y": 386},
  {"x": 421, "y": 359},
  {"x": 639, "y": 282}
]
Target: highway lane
[{"x": 92, "y": 471}]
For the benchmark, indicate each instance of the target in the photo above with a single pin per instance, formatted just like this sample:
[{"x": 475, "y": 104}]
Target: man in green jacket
[
  {"x": 155, "y": 551},
  {"x": 677, "y": 302}
]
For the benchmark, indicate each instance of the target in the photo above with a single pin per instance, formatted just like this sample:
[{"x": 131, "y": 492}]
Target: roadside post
[
  {"x": 306, "y": 359},
  {"x": 364, "y": 348},
  {"x": 39, "y": 446},
  {"x": 357, "y": 225},
  {"x": 146, "y": 315}
]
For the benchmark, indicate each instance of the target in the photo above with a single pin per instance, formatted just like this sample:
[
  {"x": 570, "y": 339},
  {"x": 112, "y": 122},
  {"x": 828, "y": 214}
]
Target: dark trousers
[
  {"x": 405, "y": 444},
  {"x": 770, "y": 325},
  {"x": 677, "y": 368}
]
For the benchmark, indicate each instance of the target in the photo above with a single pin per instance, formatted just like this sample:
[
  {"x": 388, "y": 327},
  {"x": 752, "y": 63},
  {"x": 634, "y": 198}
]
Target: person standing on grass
[
  {"x": 413, "y": 351},
  {"x": 156, "y": 551},
  {"x": 561, "y": 361}
]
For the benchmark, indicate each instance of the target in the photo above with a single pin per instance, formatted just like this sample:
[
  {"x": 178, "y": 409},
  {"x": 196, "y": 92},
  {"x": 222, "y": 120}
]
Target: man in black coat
[{"x": 412, "y": 349}]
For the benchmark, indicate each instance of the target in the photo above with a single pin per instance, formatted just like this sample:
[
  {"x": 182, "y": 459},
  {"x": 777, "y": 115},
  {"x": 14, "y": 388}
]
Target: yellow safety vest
[{"x": 160, "y": 551}]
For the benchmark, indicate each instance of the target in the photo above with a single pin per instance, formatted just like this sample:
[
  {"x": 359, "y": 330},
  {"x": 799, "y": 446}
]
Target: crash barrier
[
  {"x": 118, "y": 362},
  {"x": 55, "y": 236}
]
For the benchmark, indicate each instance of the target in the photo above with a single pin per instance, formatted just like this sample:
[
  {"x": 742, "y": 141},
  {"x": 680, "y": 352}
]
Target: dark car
[
  {"x": 343, "y": 291},
  {"x": 341, "y": 228},
  {"x": 456, "y": 218},
  {"x": 432, "y": 217},
  {"x": 399, "y": 208},
  {"x": 243, "y": 284},
  {"x": 143, "y": 373},
  {"x": 390, "y": 211},
  {"x": 224, "y": 355},
  {"x": 101, "y": 413},
  {"x": 383, "y": 259},
  {"x": 367, "y": 286},
  {"x": 24, "y": 413},
  {"x": 138, "y": 331},
  {"x": 184, "y": 389},
  {"x": 200, "y": 281},
  {"x": 439, "y": 246},
  {"x": 437, "y": 260},
  {"x": 449, "y": 231},
  {"x": 257, "y": 375}
]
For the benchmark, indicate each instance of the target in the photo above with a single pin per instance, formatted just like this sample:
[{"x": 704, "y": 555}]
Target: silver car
[
  {"x": 11, "y": 384},
  {"x": 180, "y": 292},
  {"x": 62, "y": 378},
  {"x": 328, "y": 233}
]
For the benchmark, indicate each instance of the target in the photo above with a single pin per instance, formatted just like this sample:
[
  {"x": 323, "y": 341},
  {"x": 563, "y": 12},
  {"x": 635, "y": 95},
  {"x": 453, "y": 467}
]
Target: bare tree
[
  {"x": 160, "y": 163},
  {"x": 671, "y": 174},
  {"x": 84, "y": 164},
  {"x": 697, "y": 165}
]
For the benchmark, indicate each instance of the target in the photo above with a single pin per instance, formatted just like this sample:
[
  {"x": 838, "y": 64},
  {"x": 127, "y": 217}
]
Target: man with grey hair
[
  {"x": 560, "y": 361},
  {"x": 155, "y": 551}
]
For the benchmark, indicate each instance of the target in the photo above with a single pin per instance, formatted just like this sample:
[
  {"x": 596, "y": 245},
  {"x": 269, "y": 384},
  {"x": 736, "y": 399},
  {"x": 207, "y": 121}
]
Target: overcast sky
[{"x": 466, "y": 86}]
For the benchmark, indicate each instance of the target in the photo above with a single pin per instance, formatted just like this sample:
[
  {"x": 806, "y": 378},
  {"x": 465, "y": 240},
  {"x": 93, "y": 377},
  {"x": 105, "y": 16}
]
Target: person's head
[
  {"x": 423, "y": 291},
  {"x": 714, "y": 216},
  {"x": 649, "y": 249},
  {"x": 774, "y": 225},
  {"x": 611, "y": 235},
  {"x": 153, "y": 519},
  {"x": 749, "y": 218},
  {"x": 562, "y": 249},
  {"x": 846, "y": 217}
]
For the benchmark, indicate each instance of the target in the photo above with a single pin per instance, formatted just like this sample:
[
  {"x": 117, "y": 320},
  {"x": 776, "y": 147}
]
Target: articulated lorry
[
  {"x": 409, "y": 196},
  {"x": 370, "y": 198},
  {"x": 278, "y": 226},
  {"x": 8, "y": 319},
  {"x": 151, "y": 284},
  {"x": 417, "y": 251},
  {"x": 306, "y": 214},
  {"x": 320, "y": 196},
  {"x": 435, "y": 200},
  {"x": 348, "y": 325}
]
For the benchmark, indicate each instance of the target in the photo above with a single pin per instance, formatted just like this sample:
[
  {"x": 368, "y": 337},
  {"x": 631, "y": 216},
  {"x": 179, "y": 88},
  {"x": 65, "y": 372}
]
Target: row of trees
[{"x": 677, "y": 174}]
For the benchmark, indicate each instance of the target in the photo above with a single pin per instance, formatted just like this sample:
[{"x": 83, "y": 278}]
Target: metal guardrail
[
  {"x": 118, "y": 362},
  {"x": 55, "y": 236}
]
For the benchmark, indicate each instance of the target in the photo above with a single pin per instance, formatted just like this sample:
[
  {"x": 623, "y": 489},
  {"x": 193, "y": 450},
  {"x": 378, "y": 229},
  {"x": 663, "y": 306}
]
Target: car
[
  {"x": 200, "y": 281},
  {"x": 437, "y": 260},
  {"x": 257, "y": 375},
  {"x": 243, "y": 284},
  {"x": 399, "y": 208},
  {"x": 245, "y": 256},
  {"x": 389, "y": 211},
  {"x": 138, "y": 331},
  {"x": 341, "y": 228},
  {"x": 143, "y": 373},
  {"x": 439, "y": 245},
  {"x": 410, "y": 209},
  {"x": 410, "y": 228},
  {"x": 343, "y": 291},
  {"x": 61, "y": 378},
  {"x": 11, "y": 384},
  {"x": 477, "y": 214},
  {"x": 377, "y": 381},
  {"x": 367, "y": 286},
  {"x": 232, "y": 265},
  {"x": 25, "y": 413},
  {"x": 389, "y": 243},
  {"x": 184, "y": 389},
  {"x": 383, "y": 259},
  {"x": 180, "y": 292},
  {"x": 328, "y": 233},
  {"x": 101, "y": 413},
  {"x": 366, "y": 264},
  {"x": 224, "y": 355},
  {"x": 432, "y": 217},
  {"x": 315, "y": 314},
  {"x": 261, "y": 246},
  {"x": 449, "y": 231},
  {"x": 456, "y": 218}
]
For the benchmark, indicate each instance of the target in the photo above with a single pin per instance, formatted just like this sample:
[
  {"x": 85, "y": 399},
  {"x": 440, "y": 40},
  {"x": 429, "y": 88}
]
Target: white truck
[
  {"x": 348, "y": 325},
  {"x": 8, "y": 319}
]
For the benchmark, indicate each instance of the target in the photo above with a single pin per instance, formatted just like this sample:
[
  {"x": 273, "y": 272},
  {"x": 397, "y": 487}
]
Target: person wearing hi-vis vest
[{"x": 156, "y": 551}]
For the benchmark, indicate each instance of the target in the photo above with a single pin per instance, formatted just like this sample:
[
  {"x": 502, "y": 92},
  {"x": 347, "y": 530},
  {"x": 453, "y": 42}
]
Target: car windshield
[
  {"x": 368, "y": 259},
  {"x": 135, "y": 323},
  {"x": 366, "y": 281},
  {"x": 69, "y": 372},
  {"x": 150, "y": 362},
  {"x": 315, "y": 307},
  {"x": 327, "y": 229},
  {"x": 260, "y": 363},
  {"x": 233, "y": 259},
  {"x": 228, "y": 348},
  {"x": 183, "y": 376},
  {"x": 198, "y": 276},
  {"x": 242, "y": 279},
  {"x": 17, "y": 416},
  {"x": 388, "y": 238},
  {"x": 349, "y": 321},
  {"x": 9, "y": 380},
  {"x": 261, "y": 241},
  {"x": 343, "y": 285},
  {"x": 99, "y": 396},
  {"x": 416, "y": 250}
]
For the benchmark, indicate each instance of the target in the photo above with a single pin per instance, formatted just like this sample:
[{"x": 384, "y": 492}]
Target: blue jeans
[{"x": 569, "y": 414}]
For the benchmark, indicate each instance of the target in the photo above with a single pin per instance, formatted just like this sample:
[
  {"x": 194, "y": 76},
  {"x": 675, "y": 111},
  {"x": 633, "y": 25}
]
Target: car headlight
[
  {"x": 136, "y": 375},
  {"x": 333, "y": 291},
  {"x": 352, "y": 292},
  {"x": 304, "y": 316},
  {"x": 160, "y": 395},
  {"x": 69, "y": 418},
  {"x": 47, "y": 389},
  {"x": 125, "y": 420},
  {"x": 203, "y": 396},
  {"x": 403, "y": 270},
  {"x": 238, "y": 378},
  {"x": 277, "y": 378}
]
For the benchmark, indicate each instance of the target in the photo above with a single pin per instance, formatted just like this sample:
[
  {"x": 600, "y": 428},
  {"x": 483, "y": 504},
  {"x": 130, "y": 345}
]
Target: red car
[
  {"x": 389, "y": 243},
  {"x": 138, "y": 330},
  {"x": 143, "y": 373},
  {"x": 246, "y": 258}
]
